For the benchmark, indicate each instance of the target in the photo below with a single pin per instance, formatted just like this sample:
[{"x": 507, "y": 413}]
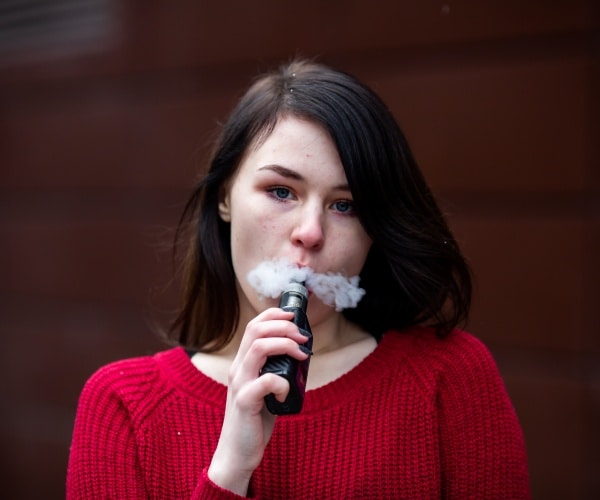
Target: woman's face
[{"x": 290, "y": 199}]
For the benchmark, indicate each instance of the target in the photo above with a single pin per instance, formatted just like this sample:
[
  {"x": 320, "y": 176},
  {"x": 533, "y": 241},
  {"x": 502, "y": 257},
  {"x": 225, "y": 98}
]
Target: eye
[
  {"x": 344, "y": 207},
  {"x": 280, "y": 193}
]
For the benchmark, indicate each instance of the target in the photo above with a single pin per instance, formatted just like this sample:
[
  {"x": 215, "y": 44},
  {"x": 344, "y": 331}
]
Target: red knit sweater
[{"x": 419, "y": 418}]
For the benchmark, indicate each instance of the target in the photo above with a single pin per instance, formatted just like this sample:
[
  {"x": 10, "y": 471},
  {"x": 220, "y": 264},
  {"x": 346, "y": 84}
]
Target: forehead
[{"x": 295, "y": 143}]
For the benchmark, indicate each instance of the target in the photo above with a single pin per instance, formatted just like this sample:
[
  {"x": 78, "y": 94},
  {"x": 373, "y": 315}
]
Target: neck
[{"x": 332, "y": 334}]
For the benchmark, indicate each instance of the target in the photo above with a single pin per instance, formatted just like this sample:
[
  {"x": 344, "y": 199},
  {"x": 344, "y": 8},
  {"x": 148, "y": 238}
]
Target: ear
[{"x": 224, "y": 205}]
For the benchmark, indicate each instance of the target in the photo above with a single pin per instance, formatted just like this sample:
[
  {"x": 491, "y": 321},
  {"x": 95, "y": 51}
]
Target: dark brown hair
[{"x": 414, "y": 273}]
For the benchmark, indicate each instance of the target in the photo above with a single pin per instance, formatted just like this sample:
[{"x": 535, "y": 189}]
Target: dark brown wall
[{"x": 102, "y": 128}]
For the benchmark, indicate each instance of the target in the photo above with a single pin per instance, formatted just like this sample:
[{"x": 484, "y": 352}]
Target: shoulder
[
  {"x": 119, "y": 374},
  {"x": 127, "y": 381},
  {"x": 482, "y": 449},
  {"x": 460, "y": 374},
  {"x": 424, "y": 344},
  {"x": 458, "y": 355}
]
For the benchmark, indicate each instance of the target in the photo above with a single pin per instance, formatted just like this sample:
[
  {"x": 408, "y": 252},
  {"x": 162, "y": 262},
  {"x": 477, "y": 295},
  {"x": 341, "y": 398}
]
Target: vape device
[{"x": 294, "y": 298}]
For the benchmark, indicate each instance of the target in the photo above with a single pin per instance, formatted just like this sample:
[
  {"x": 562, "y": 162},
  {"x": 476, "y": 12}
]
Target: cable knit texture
[{"x": 419, "y": 418}]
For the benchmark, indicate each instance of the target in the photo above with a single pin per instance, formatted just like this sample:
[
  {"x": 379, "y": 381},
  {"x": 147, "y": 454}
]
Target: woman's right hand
[{"x": 247, "y": 425}]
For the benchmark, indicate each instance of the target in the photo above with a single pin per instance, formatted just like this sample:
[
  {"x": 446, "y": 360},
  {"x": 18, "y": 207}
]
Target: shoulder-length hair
[{"x": 414, "y": 273}]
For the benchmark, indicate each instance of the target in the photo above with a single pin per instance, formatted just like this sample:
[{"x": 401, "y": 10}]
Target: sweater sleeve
[
  {"x": 207, "y": 490},
  {"x": 104, "y": 460},
  {"x": 482, "y": 445}
]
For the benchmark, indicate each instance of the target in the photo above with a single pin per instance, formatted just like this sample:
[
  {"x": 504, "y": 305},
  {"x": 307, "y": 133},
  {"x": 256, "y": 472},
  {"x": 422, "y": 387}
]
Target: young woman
[{"x": 311, "y": 170}]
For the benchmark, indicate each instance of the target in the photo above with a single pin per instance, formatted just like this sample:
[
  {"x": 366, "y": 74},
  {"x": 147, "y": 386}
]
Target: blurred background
[{"x": 107, "y": 109}]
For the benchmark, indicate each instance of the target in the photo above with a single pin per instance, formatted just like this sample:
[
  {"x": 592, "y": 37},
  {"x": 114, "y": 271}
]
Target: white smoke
[{"x": 270, "y": 277}]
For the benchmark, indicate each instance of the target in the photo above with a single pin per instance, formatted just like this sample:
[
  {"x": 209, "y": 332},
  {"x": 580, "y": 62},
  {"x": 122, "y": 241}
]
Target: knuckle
[
  {"x": 259, "y": 348},
  {"x": 231, "y": 373}
]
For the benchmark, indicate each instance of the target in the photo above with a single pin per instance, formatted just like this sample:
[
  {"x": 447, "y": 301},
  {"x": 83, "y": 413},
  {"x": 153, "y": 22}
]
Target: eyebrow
[
  {"x": 292, "y": 174},
  {"x": 283, "y": 171}
]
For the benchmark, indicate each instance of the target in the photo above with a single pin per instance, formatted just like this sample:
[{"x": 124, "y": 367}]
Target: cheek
[
  {"x": 352, "y": 253},
  {"x": 360, "y": 255},
  {"x": 359, "y": 259},
  {"x": 254, "y": 238}
]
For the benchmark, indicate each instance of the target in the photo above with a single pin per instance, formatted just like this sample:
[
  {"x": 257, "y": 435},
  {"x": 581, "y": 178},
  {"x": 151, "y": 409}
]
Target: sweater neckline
[{"x": 195, "y": 383}]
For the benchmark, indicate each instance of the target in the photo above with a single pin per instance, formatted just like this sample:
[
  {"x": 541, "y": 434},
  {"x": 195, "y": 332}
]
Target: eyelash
[{"x": 351, "y": 211}]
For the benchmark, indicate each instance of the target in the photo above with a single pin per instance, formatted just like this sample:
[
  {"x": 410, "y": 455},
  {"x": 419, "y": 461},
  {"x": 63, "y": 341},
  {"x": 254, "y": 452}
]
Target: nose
[{"x": 308, "y": 231}]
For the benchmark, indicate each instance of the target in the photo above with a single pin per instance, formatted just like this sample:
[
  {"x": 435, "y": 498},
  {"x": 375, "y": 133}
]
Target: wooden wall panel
[
  {"x": 63, "y": 259},
  {"x": 490, "y": 126},
  {"x": 119, "y": 140},
  {"x": 529, "y": 278},
  {"x": 100, "y": 143},
  {"x": 554, "y": 431}
]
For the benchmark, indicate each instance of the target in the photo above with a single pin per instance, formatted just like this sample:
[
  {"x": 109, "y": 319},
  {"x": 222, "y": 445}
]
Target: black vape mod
[{"x": 294, "y": 298}]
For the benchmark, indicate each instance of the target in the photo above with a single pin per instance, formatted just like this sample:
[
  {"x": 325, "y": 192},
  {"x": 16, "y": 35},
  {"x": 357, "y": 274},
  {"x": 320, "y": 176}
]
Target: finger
[
  {"x": 250, "y": 364},
  {"x": 252, "y": 395},
  {"x": 275, "y": 324},
  {"x": 272, "y": 329},
  {"x": 271, "y": 313}
]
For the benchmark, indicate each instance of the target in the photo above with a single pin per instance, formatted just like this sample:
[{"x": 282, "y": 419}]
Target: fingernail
[
  {"x": 304, "y": 332},
  {"x": 305, "y": 349}
]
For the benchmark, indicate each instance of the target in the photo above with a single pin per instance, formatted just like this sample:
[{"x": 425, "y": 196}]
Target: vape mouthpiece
[
  {"x": 298, "y": 288},
  {"x": 294, "y": 295}
]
